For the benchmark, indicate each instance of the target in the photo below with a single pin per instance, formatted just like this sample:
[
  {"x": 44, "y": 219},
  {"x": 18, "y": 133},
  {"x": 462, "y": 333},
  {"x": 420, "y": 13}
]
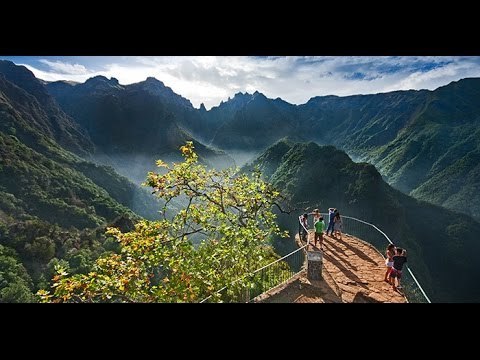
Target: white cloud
[
  {"x": 65, "y": 68},
  {"x": 294, "y": 79},
  {"x": 441, "y": 75}
]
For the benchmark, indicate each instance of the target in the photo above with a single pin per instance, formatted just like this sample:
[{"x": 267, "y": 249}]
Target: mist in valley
[
  {"x": 134, "y": 167},
  {"x": 240, "y": 158}
]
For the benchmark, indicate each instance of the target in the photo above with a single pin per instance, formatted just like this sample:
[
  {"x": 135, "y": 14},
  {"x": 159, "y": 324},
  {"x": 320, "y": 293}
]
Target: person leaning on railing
[
  {"x": 303, "y": 227},
  {"x": 398, "y": 261},
  {"x": 303, "y": 223}
]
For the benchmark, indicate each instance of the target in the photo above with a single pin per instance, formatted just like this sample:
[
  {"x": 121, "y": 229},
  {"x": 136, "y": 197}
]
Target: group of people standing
[{"x": 334, "y": 225}]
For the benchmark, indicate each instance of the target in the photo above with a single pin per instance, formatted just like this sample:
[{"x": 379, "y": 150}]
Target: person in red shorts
[
  {"x": 389, "y": 254},
  {"x": 398, "y": 261}
]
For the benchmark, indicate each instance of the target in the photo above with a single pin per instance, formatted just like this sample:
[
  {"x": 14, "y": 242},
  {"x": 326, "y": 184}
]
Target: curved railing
[
  {"x": 282, "y": 270},
  {"x": 378, "y": 239}
]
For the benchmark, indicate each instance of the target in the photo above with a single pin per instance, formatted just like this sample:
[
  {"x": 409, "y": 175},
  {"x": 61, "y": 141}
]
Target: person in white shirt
[{"x": 303, "y": 227}]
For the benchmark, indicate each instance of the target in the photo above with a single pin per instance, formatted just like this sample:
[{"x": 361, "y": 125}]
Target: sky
[{"x": 296, "y": 79}]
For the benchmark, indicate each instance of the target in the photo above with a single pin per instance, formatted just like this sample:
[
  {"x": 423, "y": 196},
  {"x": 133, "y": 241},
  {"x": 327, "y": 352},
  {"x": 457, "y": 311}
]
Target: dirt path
[{"x": 353, "y": 271}]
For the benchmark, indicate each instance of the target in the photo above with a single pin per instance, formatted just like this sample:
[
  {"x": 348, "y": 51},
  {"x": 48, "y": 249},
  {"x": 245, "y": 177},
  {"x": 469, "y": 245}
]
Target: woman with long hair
[{"x": 337, "y": 225}]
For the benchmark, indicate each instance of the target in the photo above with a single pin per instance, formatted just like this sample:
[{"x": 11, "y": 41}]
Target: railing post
[{"x": 314, "y": 265}]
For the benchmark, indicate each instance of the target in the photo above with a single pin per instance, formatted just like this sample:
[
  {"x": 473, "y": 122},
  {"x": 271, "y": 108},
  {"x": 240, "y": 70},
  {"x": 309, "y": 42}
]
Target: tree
[
  {"x": 15, "y": 283},
  {"x": 221, "y": 233},
  {"x": 16, "y": 292},
  {"x": 41, "y": 248}
]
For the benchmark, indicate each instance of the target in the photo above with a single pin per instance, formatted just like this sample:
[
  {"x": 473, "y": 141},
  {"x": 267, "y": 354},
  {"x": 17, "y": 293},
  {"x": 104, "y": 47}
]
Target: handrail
[
  {"x": 284, "y": 257},
  {"x": 391, "y": 242},
  {"x": 367, "y": 223},
  {"x": 256, "y": 271}
]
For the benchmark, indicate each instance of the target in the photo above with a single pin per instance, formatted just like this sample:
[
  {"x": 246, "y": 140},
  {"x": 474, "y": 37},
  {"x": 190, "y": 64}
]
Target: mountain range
[
  {"x": 132, "y": 125},
  {"x": 424, "y": 143}
]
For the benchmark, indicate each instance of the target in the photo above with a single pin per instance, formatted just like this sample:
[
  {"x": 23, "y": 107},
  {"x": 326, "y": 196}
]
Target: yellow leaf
[{"x": 160, "y": 163}]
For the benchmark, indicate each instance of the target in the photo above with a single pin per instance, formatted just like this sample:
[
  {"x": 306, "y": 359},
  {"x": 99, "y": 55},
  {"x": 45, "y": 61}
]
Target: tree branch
[
  {"x": 285, "y": 211},
  {"x": 188, "y": 233},
  {"x": 198, "y": 193}
]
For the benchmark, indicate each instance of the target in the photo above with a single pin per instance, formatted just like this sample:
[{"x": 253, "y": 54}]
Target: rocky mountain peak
[
  {"x": 101, "y": 82},
  {"x": 154, "y": 81},
  {"x": 157, "y": 88}
]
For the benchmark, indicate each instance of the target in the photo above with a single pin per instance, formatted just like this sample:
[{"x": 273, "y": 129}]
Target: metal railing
[
  {"x": 374, "y": 236},
  {"x": 248, "y": 287}
]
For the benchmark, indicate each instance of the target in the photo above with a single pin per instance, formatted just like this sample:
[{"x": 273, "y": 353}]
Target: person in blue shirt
[{"x": 331, "y": 220}]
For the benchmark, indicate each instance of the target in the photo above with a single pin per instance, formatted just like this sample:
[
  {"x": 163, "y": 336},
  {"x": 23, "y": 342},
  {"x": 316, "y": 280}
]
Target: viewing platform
[
  {"x": 350, "y": 269},
  {"x": 353, "y": 271}
]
